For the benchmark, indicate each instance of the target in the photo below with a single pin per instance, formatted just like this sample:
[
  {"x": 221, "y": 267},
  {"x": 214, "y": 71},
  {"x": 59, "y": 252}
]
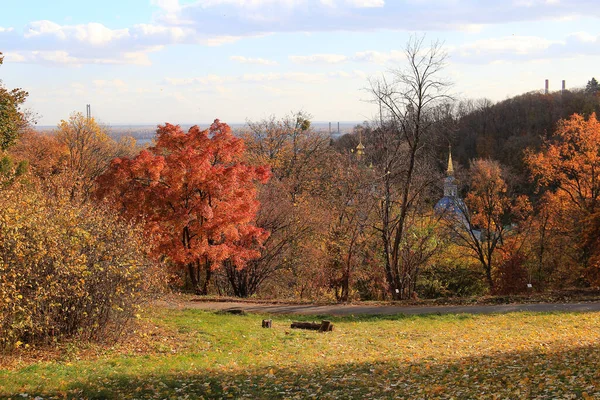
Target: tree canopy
[
  {"x": 12, "y": 117},
  {"x": 592, "y": 86},
  {"x": 196, "y": 194}
]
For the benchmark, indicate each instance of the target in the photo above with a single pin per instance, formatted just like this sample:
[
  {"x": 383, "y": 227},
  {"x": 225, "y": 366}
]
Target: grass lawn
[{"x": 189, "y": 354}]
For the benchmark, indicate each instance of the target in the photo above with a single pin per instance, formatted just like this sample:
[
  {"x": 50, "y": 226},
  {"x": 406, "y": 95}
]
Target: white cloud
[
  {"x": 509, "y": 44},
  {"x": 110, "y": 84},
  {"x": 319, "y": 59},
  {"x": 251, "y": 17},
  {"x": 369, "y": 56},
  {"x": 94, "y": 34},
  {"x": 60, "y": 57},
  {"x": 93, "y": 43},
  {"x": 378, "y": 57},
  {"x": 366, "y": 3},
  {"x": 356, "y": 74},
  {"x": 264, "y": 78},
  {"x": 250, "y": 60},
  {"x": 525, "y": 48},
  {"x": 218, "y": 22}
]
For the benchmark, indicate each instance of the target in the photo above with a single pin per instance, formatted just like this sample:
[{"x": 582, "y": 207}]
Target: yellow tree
[{"x": 88, "y": 150}]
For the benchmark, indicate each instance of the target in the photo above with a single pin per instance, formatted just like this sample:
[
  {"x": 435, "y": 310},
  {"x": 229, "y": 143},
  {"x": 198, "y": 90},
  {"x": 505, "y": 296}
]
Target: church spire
[
  {"x": 450, "y": 170},
  {"x": 360, "y": 149}
]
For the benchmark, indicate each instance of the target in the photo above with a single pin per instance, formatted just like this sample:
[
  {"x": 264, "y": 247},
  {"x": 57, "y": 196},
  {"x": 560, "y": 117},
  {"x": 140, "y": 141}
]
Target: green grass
[{"x": 200, "y": 354}]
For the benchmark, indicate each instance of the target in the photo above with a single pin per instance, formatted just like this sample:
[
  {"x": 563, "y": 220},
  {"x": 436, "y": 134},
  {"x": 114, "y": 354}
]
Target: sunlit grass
[{"x": 201, "y": 354}]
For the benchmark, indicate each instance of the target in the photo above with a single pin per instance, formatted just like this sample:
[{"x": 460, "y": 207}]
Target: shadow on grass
[
  {"x": 374, "y": 318},
  {"x": 534, "y": 374},
  {"x": 347, "y": 318}
]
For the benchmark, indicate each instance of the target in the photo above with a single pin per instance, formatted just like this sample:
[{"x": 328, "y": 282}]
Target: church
[{"x": 451, "y": 202}]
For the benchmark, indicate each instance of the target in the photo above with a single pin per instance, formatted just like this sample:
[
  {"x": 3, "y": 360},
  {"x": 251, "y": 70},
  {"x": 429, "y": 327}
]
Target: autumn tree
[
  {"x": 197, "y": 193},
  {"x": 553, "y": 251},
  {"x": 12, "y": 117},
  {"x": 87, "y": 150},
  {"x": 293, "y": 204},
  {"x": 406, "y": 104},
  {"x": 45, "y": 155},
  {"x": 487, "y": 216},
  {"x": 569, "y": 166},
  {"x": 350, "y": 208}
]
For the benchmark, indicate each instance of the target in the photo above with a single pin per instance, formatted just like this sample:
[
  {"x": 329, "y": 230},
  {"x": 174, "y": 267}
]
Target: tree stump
[
  {"x": 326, "y": 326},
  {"x": 267, "y": 323}
]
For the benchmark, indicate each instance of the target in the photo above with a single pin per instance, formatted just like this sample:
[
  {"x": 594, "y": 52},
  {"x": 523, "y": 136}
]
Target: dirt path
[{"x": 360, "y": 309}]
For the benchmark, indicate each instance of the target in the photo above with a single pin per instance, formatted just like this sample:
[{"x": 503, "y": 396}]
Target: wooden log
[
  {"x": 324, "y": 326},
  {"x": 306, "y": 325},
  {"x": 267, "y": 323}
]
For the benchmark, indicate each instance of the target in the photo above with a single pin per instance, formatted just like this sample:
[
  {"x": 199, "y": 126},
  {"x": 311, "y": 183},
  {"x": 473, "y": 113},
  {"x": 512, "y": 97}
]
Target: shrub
[
  {"x": 451, "y": 278},
  {"x": 66, "y": 269}
]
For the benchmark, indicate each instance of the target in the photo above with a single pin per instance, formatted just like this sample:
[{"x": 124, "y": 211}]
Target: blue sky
[{"x": 153, "y": 61}]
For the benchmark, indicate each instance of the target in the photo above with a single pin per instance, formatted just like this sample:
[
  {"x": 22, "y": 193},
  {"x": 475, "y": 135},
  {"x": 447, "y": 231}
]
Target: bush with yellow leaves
[{"x": 66, "y": 269}]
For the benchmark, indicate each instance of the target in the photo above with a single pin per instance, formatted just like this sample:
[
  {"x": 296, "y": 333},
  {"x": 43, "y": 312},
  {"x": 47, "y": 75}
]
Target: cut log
[
  {"x": 324, "y": 326},
  {"x": 266, "y": 323}
]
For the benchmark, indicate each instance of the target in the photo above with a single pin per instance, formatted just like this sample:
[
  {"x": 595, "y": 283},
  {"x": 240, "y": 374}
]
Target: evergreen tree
[{"x": 592, "y": 86}]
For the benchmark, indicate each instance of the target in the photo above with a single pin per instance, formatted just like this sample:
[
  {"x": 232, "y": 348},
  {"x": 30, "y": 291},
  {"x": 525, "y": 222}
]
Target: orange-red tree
[
  {"x": 491, "y": 212},
  {"x": 196, "y": 194},
  {"x": 570, "y": 164}
]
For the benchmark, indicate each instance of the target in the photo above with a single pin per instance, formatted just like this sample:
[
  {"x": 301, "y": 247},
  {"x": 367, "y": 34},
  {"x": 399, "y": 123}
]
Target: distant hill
[
  {"x": 503, "y": 130},
  {"x": 145, "y": 133}
]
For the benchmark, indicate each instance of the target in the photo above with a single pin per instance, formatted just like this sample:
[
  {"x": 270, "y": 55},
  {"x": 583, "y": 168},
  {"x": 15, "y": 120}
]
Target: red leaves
[{"x": 196, "y": 190}]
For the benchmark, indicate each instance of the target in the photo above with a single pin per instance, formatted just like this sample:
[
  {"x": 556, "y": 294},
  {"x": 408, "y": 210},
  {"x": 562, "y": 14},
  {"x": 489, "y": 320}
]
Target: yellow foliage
[{"x": 66, "y": 269}]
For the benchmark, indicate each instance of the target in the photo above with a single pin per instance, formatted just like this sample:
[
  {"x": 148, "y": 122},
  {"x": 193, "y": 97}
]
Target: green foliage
[
  {"x": 451, "y": 273},
  {"x": 450, "y": 280},
  {"x": 204, "y": 355},
  {"x": 12, "y": 119},
  {"x": 65, "y": 270},
  {"x": 592, "y": 86},
  {"x": 11, "y": 171}
]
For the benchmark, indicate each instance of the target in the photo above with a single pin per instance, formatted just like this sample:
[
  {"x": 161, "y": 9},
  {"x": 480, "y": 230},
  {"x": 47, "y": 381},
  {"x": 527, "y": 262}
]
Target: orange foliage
[
  {"x": 195, "y": 191},
  {"x": 492, "y": 212},
  {"x": 570, "y": 164}
]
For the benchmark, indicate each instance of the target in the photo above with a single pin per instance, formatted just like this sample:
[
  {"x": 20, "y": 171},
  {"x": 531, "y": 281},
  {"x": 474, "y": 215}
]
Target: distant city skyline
[{"x": 144, "y": 62}]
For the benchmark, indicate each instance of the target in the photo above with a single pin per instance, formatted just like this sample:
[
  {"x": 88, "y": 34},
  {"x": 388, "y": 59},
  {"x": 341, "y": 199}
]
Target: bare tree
[
  {"x": 406, "y": 103},
  {"x": 290, "y": 201}
]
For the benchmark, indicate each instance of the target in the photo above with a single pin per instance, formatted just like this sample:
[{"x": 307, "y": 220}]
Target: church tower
[{"x": 450, "y": 187}]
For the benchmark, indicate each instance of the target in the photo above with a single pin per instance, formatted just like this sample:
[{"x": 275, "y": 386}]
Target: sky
[{"x": 191, "y": 61}]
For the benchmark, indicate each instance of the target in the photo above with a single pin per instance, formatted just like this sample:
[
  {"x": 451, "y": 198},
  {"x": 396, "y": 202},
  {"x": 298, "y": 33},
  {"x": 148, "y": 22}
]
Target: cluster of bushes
[
  {"x": 66, "y": 269},
  {"x": 70, "y": 267}
]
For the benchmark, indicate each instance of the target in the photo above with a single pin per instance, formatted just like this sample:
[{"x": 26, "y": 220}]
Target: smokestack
[
  {"x": 547, "y": 87},
  {"x": 338, "y": 128},
  {"x": 330, "y": 129},
  {"x": 564, "y": 86}
]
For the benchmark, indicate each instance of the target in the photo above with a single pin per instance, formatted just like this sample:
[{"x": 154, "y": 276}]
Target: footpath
[{"x": 366, "y": 309}]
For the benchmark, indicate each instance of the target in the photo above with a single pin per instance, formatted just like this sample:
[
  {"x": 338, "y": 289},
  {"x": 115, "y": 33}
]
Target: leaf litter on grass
[{"x": 519, "y": 355}]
